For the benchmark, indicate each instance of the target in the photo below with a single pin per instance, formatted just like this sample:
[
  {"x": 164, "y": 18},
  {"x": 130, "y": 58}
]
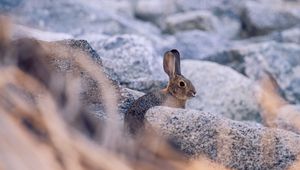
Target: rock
[
  {"x": 261, "y": 19},
  {"x": 20, "y": 31},
  {"x": 202, "y": 20},
  {"x": 221, "y": 90},
  {"x": 7, "y": 5},
  {"x": 62, "y": 59},
  {"x": 225, "y": 26},
  {"x": 80, "y": 18},
  {"x": 232, "y": 143},
  {"x": 291, "y": 35},
  {"x": 228, "y": 27},
  {"x": 221, "y": 6},
  {"x": 168, "y": 16},
  {"x": 120, "y": 7},
  {"x": 90, "y": 93},
  {"x": 198, "y": 44},
  {"x": 154, "y": 10},
  {"x": 128, "y": 96},
  {"x": 280, "y": 59},
  {"x": 134, "y": 61},
  {"x": 84, "y": 46}
]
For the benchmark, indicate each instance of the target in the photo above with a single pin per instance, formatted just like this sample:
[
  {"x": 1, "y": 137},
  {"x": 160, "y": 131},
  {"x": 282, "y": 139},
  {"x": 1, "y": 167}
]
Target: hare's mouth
[{"x": 191, "y": 94}]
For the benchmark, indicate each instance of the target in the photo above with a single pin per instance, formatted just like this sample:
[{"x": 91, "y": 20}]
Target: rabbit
[{"x": 177, "y": 92}]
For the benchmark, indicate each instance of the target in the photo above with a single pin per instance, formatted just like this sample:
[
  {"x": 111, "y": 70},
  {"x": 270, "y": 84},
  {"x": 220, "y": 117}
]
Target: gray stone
[
  {"x": 79, "y": 17},
  {"x": 202, "y": 20},
  {"x": 154, "y": 10},
  {"x": 261, "y": 18},
  {"x": 228, "y": 27},
  {"x": 7, "y": 5},
  {"x": 225, "y": 26},
  {"x": 220, "y": 6},
  {"x": 134, "y": 61},
  {"x": 221, "y": 90},
  {"x": 90, "y": 95},
  {"x": 198, "y": 44},
  {"x": 232, "y": 143},
  {"x": 169, "y": 16},
  {"x": 291, "y": 35},
  {"x": 20, "y": 31},
  {"x": 280, "y": 59},
  {"x": 63, "y": 61},
  {"x": 128, "y": 96}
]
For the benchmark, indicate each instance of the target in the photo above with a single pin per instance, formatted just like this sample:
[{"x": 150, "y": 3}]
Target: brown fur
[{"x": 178, "y": 91}]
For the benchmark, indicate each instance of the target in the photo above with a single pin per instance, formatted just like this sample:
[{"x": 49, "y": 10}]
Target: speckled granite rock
[
  {"x": 261, "y": 18},
  {"x": 231, "y": 143},
  {"x": 79, "y": 17},
  {"x": 134, "y": 61},
  {"x": 198, "y": 44},
  {"x": 90, "y": 92},
  {"x": 20, "y": 31},
  {"x": 7, "y": 5},
  {"x": 291, "y": 35},
  {"x": 280, "y": 59},
  {"x": 128, "y": 96},
  {"x": 221, "y": 90},
  {"x": 202, "y": 20},
  {"x": 154, "y": 10}
]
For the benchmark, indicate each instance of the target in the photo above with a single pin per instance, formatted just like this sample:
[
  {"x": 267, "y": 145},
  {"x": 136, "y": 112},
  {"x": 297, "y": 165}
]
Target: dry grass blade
[{"x": 270, "y": 101}]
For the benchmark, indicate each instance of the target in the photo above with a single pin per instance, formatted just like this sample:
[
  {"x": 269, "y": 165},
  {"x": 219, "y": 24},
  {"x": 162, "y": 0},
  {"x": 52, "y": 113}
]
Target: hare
[{"x": 178, "y": 91}]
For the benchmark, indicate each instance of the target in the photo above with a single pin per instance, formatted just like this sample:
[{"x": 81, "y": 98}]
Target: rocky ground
[{"x": 226, "y": 46}]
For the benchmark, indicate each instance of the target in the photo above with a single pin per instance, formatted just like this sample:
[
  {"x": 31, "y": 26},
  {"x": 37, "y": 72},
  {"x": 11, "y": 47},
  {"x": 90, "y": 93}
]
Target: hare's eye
[{"x": 181, "y": 83}]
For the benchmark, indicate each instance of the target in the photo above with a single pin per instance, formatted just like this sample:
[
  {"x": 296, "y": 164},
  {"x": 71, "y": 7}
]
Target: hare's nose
[{"x": 193, "y": 93}]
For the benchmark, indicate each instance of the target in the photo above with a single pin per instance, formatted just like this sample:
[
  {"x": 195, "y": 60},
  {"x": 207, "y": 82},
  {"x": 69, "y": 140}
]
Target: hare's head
[{"x": 179, "y": 86}]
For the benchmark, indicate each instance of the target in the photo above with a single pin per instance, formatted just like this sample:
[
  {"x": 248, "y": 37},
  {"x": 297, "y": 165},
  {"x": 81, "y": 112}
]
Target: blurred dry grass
[
  {"x": 277, "y": 113},
  {"x": 270, "y": 100},
  {"x": 38, "y": 106}
]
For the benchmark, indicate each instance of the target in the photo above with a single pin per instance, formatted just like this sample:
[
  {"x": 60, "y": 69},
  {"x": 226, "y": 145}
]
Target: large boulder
[
  {"x": 62, "y": 58},
  {"x": 235, "y": 144},
  {"x": 7, "y": 5},
  {"x": 261, "y": 18},
  {"x": 20, "y": 31},
  {"x": 221, "y": 6},
  {"x": 79, "y": 17},
  {"x": 202, "y": 20},
  {"x": 225, "y": 26},
  {"x": 291, "y": 35},
  {"x": 280, "y": 59},
  {"x": 128, "y": 96},
  {"x": 133, "y": 60},
  {"x": 197, "y": 44},
  {"x": 221, "y": 90},
  {"x": 154, "y": 10}
]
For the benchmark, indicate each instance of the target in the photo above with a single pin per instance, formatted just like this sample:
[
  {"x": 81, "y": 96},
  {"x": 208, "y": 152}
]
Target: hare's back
[{"x": 135, "y": 115}]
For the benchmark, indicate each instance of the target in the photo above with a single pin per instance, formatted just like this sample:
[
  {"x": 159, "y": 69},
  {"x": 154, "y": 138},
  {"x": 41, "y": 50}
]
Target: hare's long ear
[{"x": 172, "y": 63}]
